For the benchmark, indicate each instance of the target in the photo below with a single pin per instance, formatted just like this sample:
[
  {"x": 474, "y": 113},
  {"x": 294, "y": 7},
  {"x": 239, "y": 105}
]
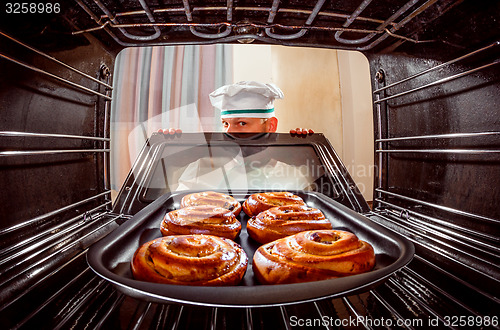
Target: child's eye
[{"x": 242, "y": 123}]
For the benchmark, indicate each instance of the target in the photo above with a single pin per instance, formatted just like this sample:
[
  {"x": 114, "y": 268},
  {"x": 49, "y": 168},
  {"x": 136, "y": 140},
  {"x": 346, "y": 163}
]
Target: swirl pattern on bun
[
  {"x": 214, "y": 199},
  {"x": 201, "y": 260},
  {"x": 260, "y": 202},
  {"x": 312, "y": 256},
  {"x": 201, "y": 219},
  {"x": 281, "y": 221}
]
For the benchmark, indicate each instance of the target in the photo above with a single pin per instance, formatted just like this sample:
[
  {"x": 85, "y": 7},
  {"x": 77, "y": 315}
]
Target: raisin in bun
[
  {"x": 202, "y": 260},
  {"x": 260, "y": 202},
  {"x": 312, "y": 256},
  {"x": 281, "y": 221},
  {"x": 201, "y": 219},
  {"x": 214, "y": 199}
]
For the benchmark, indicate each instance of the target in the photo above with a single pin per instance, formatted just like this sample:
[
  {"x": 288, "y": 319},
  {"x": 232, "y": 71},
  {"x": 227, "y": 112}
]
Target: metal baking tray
[{"x": 110, "y": 258}]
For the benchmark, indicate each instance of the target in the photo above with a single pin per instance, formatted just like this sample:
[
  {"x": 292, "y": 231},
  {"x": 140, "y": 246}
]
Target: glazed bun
[
  {"x": 201, "y": 219},
  {"x": 214, "y": 199},
  {"x": 281, "y": 221},
  {"x": 260, "y": 202},
  {"x": 201, "y": 260},
  {"x": 312, "y": 256}
]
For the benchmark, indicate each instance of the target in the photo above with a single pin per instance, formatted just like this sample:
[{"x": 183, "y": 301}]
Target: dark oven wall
[
  {"x": 54, "y": 140},
  {"x": 438, "y": 145}
]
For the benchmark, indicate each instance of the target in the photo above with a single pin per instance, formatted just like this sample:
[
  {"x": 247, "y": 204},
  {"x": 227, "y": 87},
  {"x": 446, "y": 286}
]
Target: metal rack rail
[
  {"x": 52, "y": 214},
  {"x": 33, "y": 68},
  {"x": 441, "y": 225},
  {"x": 437, "y": 67},
  {"x": 439, "y": 136},
  {"x": 56, "y": 77},
  {"x": 439, "y": 82},
  {"x": 38, "y": 247},
  {"x": 377, "y": 92},
  {"x": 53, "y": 59},
  {"x": 23, "y": 264},
  {"x": 440, "y": 207},
  {"x": 43, "y": 135},
  {"x": 415, "y": 236},
  {"x": 448, "y": 238},
  {"x": 45, "y": 152}
]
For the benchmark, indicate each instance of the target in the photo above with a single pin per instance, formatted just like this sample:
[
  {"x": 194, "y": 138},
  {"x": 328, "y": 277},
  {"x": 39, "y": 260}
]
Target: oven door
[
  {"x": 169, "y": 167},
  {"x": 219, "y": 161}
]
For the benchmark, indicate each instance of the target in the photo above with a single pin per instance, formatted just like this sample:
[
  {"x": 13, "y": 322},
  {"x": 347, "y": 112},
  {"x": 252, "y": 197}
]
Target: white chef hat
[{"x": 248, "y": 99}]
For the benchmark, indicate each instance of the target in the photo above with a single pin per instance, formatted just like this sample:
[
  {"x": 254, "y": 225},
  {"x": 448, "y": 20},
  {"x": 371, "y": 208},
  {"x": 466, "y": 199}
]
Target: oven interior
[{"x": 434, "y": 71}]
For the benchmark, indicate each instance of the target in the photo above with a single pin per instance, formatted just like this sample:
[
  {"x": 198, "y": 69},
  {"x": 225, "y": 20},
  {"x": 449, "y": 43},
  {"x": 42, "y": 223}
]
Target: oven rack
[
  {"x": 105, "y": 76},
  {"x": 433, "y": 240},
  {"x": 373, "y": 31},
  {"x": 29, "y": 260},
  {"x": 440, "y": 207},
  {"x": 419, "y": 230},
  {"x": 385, "y": 301},
  {"x": 40, "y": 220}
]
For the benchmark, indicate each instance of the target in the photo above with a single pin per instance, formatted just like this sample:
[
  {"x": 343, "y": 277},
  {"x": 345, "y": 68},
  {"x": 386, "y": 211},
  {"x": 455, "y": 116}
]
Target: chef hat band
[
  {"x": 248, "y": 113},
  {"x": 247, "y": 99}
]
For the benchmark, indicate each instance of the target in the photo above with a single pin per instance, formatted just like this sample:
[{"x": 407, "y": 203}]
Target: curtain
[{"x": 163, "y": 87}]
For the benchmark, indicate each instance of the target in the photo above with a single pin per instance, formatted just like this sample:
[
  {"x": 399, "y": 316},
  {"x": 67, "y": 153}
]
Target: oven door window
[{"x": 230, "y": 167}]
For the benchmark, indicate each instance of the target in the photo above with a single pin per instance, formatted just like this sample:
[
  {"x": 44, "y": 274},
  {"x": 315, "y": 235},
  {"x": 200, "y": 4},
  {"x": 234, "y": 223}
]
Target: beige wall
[
  {"x": 357, "y": 119},
  {"x": 326, "y": 90},
  {"x": 252, "y": 62},
  {"x": 309, "y": 79}
]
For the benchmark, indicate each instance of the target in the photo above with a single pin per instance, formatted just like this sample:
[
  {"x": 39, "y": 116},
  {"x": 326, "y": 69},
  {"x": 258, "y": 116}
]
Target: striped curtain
[{"x": 163, "y": 87}]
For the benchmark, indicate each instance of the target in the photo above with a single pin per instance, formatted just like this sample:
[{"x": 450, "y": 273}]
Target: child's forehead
[{"x": 247, "y": 119}]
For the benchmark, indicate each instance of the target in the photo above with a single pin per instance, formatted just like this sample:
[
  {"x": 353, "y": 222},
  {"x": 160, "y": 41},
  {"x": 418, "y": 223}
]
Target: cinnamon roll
[
  {"x": 311, "y": 256},
  {"x": 214, "y": 199},
  {"x": 201, "y": 219},
  {"x": 202, "y": 260},
  {"x": 260, "y": 202},
  {"x": 281, "y": 221}
]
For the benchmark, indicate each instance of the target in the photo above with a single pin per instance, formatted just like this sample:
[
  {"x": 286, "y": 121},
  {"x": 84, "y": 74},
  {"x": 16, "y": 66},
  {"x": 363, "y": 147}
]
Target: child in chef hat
[{"x": 247, "y": 106}]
